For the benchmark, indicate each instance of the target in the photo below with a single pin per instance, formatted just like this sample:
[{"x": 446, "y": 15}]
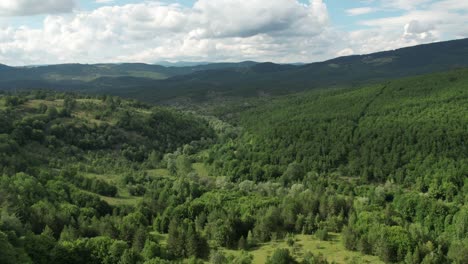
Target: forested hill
[
  {"x": 401, "y": 131},
  {"x": 219, "y": 81},
  {"x": 409, "y": 137},
  {"x": 265, "y": 79},
  {"x": 369, "y": 174},
  {"x": 42, "y": 128}
]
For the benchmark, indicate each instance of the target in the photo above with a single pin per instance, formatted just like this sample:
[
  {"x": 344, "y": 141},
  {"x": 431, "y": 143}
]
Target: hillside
[
  {"x": 85, "y": 74},
  {"x": 214, "y": 82},
  {"x": 407, "y": 138},
  {"x": 218, "y": 82},
  {"x": 389, "y": 131},
  {"x": 362, "y": 175}
]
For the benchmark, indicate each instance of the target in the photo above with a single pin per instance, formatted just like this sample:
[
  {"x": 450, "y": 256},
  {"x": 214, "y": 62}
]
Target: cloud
[
  {"x": 360, "y": 11},
  {"x": 104, "y": 1},
  {"x": 224, "y": 30},
  {"x": 34, "y": 7},
  {"x": 345, "y": 52},
  {"x": 405, "y": 4},
  {"x": 419, "y": 22}
]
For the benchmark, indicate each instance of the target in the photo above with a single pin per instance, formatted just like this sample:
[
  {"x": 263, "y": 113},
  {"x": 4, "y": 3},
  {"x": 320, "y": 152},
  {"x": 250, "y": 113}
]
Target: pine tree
[
  {"x": 68, "y": 234},
  {"x": 150, "y": 250},
  {"x": 251, "y": 242},
  {"x": 139, "y": 238},
  {"x": 176, "y": 241},
  {"x": 192, "y": 242},
  {"x": 242, "y": 244}
]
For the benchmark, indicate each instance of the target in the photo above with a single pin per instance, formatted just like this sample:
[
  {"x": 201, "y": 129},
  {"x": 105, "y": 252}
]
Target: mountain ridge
[{"x": 160, "y": 84}]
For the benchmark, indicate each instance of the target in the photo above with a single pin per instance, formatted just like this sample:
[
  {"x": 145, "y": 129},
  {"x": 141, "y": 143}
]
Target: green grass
[
  {"x": 159, "y": 173},
  {"x": 109, "y": 178},
  {"x": 121, "y": 200},
  {"x": 34, "y": 104},
  {"x": 123, "y": 196},
  {"x": 332, "y": 250},
  {"x": 201, "y": 169}
]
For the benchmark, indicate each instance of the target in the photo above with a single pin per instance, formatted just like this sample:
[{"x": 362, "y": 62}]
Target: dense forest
[{"x": 378, "y": 172}]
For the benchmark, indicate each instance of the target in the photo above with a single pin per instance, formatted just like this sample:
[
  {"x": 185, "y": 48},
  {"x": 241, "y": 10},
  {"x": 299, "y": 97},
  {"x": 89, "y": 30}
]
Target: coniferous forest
[{"x": 370, "y": 174}]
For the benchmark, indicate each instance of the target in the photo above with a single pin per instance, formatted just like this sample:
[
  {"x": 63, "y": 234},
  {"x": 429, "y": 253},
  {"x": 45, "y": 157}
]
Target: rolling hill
[
  {"x": 369, "y": 174},
  {"x": 215, "y": 82}
]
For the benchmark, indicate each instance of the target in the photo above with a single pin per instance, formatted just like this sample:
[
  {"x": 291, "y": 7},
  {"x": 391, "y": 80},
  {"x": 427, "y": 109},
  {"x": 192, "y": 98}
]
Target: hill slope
[
  {"x": 215, "y": 82},
  {"x": 400, "y": 130},
  {"x": 379, "y": 169}
]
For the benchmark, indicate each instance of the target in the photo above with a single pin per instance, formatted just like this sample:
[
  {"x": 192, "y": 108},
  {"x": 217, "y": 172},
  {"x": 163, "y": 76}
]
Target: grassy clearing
[
  {"x": 120, "y": 200},
  {"x": 159, "y": 173},
  {"x": 94, "y": 101},
  {"x": 123, "y": 196},
  {"x": 109, "y": 178},
  {"x": 201, "y": 169},
  {"x": 34, "y": 104},
  {"x": 333, "y": 250}
]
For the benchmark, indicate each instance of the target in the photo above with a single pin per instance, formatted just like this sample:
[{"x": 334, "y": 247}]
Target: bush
[{"x": 322, "y": 234}]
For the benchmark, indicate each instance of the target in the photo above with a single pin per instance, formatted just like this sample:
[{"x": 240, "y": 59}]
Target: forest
[{"x": 369, "y": 174}]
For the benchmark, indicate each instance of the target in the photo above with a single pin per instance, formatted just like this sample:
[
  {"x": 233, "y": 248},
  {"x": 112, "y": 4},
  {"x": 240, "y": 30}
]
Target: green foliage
[
  {"x": 281, "y": 256},
  {"x": 322, "y": 234},
  {"x": 106, "y": 180},
  {"x": 398, "y": 131}
]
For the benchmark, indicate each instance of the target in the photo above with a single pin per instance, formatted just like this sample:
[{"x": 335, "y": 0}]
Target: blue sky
[{"x": 90, "y": 31}]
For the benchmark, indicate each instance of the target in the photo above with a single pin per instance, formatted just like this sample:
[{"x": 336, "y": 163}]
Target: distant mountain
[
  {"x": 180, "y": 63},
  {"x": 155, "y": 83},
  {"x": 64, "y": 73}
]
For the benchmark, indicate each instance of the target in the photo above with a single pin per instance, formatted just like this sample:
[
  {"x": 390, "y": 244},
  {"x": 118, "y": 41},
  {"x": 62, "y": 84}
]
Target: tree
[
  {"x": 129, "y": 257},
  {"x": 184, "y": 165},
  {"x": 7, "y": 251},
  {"x": 218, "y": 257},
  {"x": 251, "y": 242},
  {"x": 176, "y": 240},
  {"x": 322, "y": 234},
  {"x": 281, "y": 256},
  {"x": 68, "y": 234},
  {"x": 458, "y": 251},
  {"x": 243, "y": 258},
  {"x": 139, "y": 238},
  {"x": 150, "y": 250},
  {"x": 242, "y": 244},
  {"x": 39, "y": 247}
]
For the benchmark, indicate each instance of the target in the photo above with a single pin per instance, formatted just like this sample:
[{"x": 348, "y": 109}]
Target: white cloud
[
  {"x": 360, "y": 11},
  {"x": 345, "y": 52},
  {"x": 104, "y": 1},
  {"x": 34, "y": 7},
  {"x": 406, "y": 4},
  {"x": 420, "y": 21},
  {"x": 224, "y": 30}
]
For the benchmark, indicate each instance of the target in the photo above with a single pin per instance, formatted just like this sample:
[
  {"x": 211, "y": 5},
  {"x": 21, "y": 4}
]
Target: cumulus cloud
[
  {"x": 223, "y": 30},
  {"x": 281, "y": 30},
  {"x": 420, "y": 21},
  {"x": 34, "y": 7}
]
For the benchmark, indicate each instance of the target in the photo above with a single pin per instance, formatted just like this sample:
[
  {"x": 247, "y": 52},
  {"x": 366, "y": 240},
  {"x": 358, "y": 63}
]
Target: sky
[{"x": 36, "y": 32}]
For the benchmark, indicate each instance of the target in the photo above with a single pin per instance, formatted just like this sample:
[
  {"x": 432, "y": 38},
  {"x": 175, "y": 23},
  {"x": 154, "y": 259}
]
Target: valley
[{"x": 372, "y": 171}]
